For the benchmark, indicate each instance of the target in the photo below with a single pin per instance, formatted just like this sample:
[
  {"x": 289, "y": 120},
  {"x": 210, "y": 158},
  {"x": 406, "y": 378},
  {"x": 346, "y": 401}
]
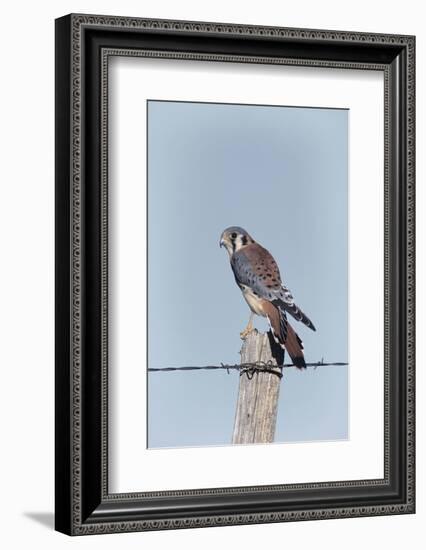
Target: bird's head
[{"x": 235, "y": 238}]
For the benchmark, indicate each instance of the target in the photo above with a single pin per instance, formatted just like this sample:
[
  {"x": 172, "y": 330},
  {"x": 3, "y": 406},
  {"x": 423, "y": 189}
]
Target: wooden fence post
[{"x": 258, "y": 392}]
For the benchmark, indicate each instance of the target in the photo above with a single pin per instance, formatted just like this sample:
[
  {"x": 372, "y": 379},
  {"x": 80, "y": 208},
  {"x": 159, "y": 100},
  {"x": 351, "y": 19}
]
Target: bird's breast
[{"x": 254, "y": 302}]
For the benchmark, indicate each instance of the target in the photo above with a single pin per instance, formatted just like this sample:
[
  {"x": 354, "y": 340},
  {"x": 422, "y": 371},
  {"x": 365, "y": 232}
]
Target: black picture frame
[{"x": 83, "y": 504}]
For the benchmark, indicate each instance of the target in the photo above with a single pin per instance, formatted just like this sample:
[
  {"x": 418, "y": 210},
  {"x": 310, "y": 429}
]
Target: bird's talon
[{"x": 244, "y": 334}]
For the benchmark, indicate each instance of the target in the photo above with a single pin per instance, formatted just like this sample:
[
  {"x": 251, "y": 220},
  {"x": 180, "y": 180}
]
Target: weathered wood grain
[{"x": 258, "y": 392}]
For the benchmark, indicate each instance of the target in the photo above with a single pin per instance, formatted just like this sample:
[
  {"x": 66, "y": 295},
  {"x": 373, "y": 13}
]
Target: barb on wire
[
  {"x": 247, "y": 367},
  {"x": 260, "y": 366}
]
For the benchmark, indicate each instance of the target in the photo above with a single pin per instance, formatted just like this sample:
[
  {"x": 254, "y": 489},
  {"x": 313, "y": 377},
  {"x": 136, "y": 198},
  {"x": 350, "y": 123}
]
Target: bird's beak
[{"x": 221, "y": 243}]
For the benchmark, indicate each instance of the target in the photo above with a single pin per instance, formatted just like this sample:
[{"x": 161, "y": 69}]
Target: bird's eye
[{"x": 233, "y": 236}]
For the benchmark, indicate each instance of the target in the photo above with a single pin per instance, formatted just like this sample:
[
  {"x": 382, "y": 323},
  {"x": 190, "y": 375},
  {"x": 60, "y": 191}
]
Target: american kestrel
[{"x": 257, "y": 274}]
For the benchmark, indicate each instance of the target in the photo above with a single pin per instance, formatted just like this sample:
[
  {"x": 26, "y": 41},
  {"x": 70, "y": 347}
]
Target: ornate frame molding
[{"x": 84, "y": 508}]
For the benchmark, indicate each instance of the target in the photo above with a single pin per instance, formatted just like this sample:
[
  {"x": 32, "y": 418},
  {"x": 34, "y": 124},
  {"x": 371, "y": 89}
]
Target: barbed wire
[{"x": 244, "y": 367}]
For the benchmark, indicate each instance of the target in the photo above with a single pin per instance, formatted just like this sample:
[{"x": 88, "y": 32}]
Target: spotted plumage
[{"x": 258, "y": 276}]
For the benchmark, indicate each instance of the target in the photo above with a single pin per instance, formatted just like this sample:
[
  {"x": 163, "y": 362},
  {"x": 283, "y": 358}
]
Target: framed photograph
[{"x": 234, "y": 274}]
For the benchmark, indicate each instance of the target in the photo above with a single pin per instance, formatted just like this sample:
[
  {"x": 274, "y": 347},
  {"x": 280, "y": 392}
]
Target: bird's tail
[
  {"x": 294, "y": 346},
  {"x": 285, "y": 336}
]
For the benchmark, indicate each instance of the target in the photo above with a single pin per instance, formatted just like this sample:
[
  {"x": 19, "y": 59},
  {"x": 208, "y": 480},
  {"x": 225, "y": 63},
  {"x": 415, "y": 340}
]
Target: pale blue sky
[{"x": 281, "y": 173}]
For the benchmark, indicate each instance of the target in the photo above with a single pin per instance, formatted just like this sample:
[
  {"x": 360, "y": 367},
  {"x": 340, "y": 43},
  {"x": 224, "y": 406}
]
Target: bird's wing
[{"x": 254, "y": 266}]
